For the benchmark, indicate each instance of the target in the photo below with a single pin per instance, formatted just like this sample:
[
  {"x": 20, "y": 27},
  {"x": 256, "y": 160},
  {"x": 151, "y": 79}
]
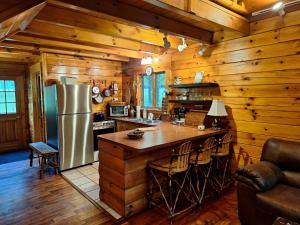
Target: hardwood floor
[
  {"x": 219, "y": 212},
  {"x": 27, "y": 200}
]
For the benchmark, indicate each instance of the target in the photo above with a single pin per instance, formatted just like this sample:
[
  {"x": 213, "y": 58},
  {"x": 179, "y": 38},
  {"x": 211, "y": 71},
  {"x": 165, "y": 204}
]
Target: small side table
[
  {"x": 282, "y": 221},
  {"x": 47, "y": 156}
]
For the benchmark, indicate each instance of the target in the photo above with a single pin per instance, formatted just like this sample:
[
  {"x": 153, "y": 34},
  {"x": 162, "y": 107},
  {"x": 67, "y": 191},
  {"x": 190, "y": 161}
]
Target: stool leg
[
  {"x": 42, "y": 167},
  {"x": 55, "y": 164},
  {"x": 150, "y": 189},
  {"x": 205, "y": 182},
  {"x": 31, "y": 157}
]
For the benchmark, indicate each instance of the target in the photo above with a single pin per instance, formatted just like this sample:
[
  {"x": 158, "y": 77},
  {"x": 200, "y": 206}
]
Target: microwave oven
[{"x": 118, "y": 110}]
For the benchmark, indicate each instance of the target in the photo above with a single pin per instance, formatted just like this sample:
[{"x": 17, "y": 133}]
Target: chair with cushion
[{"x": 271, "y": 188}]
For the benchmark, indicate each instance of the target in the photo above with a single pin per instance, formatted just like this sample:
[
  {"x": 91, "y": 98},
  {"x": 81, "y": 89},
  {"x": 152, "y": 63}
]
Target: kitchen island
[{"x": 123, "y": 162}]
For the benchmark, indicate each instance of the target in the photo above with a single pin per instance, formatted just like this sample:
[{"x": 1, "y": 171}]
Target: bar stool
[
  {"x": 222, "y": 176},
  {"x": 202, "y": 164},
  {"x": 176, "y": 169}
]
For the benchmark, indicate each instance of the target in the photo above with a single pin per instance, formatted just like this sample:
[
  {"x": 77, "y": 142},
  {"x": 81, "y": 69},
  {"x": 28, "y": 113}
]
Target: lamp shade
[{"x": 217, "y": 108}]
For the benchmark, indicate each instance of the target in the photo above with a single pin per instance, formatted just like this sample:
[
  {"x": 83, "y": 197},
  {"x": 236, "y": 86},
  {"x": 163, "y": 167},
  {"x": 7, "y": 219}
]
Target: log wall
[
  {"x": 259, "y": 78},
  {"x": 86, "y": 70}
]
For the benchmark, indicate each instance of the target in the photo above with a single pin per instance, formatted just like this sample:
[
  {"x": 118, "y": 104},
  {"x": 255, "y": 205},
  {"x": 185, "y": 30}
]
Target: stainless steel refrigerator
[{"x": 68, "y": 111}]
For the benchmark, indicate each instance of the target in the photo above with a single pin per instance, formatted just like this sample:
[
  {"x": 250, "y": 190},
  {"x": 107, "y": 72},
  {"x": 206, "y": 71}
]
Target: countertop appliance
[
  {"x": 118, "y": 109},
  {"x": 69, "y": 123},
  {"x": 102, "y": 127}
]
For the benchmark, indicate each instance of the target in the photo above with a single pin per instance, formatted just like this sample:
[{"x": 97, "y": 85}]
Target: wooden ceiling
[
  {"x": 111, "y": 29},
  {"x": 256, "y": 5}
]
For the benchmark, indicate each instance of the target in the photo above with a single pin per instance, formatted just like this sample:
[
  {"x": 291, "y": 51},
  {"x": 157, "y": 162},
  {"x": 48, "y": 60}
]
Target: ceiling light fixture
[
  {"x": 279, "y": 6},
  {"x": 182, "y": 46},
  {"x": 167, "y": 44},
  {"x": 146, "y": 61}
]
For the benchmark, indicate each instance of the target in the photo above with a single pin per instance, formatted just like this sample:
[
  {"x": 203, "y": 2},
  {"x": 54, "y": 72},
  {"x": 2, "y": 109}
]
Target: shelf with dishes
[{"x": 195, "y": 85}]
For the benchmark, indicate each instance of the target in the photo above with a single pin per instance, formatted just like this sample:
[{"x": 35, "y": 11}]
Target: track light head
[
  {"x": 182, "y": 46},
  {"x": 167, "y": 44},
  {"x": 202, "y": 50}
]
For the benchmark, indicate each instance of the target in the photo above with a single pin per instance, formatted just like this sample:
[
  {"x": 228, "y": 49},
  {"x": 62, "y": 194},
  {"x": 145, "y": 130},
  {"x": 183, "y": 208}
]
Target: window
[
  {"x": 154, "y": 88},
  {"x": 8, "y": 97}
]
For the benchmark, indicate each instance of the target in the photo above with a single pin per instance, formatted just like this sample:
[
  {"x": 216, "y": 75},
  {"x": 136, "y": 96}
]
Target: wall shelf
[
  {"x": 196, "y": 85},
  {"x": 194, "y": 102}
]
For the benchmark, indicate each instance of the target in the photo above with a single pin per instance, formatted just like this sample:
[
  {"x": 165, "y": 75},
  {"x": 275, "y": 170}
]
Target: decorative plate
[{"x": 149, "y": 70}]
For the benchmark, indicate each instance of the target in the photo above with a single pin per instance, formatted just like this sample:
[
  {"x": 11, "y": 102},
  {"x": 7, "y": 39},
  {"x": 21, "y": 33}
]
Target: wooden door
[{"x": 12, "y": 113}]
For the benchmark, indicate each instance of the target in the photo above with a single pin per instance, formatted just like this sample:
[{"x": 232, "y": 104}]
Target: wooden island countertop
[
  {"x": 123, "y": 162},
  {"x": 165, "y": 135}
]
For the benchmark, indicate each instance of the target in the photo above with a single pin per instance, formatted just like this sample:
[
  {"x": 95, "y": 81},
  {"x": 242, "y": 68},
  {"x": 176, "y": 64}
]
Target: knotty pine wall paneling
[
  {"x": 103, "y": 72},
  {"x": 259, "y": 78}
]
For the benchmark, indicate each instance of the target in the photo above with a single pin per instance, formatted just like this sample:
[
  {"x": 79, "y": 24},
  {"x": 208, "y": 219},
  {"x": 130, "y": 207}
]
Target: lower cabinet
[{"x": 122, "y": 125}]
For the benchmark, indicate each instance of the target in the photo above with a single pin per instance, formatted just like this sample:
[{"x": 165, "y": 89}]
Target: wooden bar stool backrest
[
  {"x": 224, "y": 145},
  {"x": 179, "y": 160},
  {"x": 204, "y": 153}
]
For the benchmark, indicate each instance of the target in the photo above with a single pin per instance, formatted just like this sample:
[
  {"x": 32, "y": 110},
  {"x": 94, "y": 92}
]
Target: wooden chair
[
  {"x": 222, "y": 176},
  {"x": 47, "y": 156},
  {"x": 202, "y": 164},
  {"x": 174, "y": 166}
]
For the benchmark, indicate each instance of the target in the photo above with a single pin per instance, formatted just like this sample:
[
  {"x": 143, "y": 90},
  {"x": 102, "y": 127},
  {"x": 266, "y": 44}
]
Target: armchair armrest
[{"x": 261, "y": 176}]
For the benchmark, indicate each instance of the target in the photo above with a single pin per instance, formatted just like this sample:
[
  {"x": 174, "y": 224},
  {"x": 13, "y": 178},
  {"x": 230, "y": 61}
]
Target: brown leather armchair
[{"x": 271, "y": 188}]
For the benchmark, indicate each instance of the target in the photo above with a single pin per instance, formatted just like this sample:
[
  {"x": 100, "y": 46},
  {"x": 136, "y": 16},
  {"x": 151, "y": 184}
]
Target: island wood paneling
[
  {"x": 259, "y": 78},
  {"x": 86, "y": 70}
]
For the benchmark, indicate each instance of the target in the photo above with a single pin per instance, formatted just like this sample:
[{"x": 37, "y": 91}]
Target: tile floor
[{"x": 86, "y": 180}]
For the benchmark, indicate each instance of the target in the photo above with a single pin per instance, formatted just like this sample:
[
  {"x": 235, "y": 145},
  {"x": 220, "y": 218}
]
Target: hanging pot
[
  {"x": 106, "y": 92},
  {"x": 95, "y": 90},
  {"x": 99, "y": 99}
]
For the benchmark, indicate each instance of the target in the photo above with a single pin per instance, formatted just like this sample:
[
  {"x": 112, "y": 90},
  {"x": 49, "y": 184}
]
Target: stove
[{"x": 106, "y": 124}]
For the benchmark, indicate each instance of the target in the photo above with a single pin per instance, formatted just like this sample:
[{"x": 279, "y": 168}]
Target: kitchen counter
[
  {"x": 123, "y": 162},
  {"x": 137, "y": 121},
  {"x": 166, "y": 134}
]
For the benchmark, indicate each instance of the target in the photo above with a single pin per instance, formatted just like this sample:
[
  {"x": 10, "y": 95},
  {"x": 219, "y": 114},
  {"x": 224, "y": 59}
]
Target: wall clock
[{"x": 149, "y": 70}]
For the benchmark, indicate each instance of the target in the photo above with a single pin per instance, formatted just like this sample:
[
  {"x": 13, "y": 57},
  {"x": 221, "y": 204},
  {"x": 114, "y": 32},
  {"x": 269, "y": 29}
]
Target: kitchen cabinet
[{"x": 124, "y": 125}]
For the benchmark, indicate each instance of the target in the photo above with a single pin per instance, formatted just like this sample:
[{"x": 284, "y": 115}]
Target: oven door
[{"x": 99, "y": 132}]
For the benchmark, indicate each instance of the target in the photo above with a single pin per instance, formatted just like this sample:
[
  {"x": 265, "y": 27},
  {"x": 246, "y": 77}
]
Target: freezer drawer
[{"x": 76, "y": 140}]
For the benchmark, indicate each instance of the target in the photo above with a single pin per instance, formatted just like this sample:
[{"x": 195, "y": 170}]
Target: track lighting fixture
[
  {"x": 279, "y": 6},
  {"x": 146, "y": 61},
  {"x": 202, "y": 50},
  {"x": 167, "y": 44},
  {"x": 182, "y": 46}
]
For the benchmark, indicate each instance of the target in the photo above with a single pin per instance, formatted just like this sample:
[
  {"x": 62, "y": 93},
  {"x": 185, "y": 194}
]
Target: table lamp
[{"x": 217, "y": 110}]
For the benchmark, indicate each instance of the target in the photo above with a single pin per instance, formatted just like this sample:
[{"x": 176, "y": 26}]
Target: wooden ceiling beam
[
  {"x": 69, "y": 46},
  {"x": 213, "y": 12},
  {"x": 87, "y": 37},
  {"x": 89, "y": 54},
  {"x": 22, "y": 6},
  {"x": 137, "y": 15},
  {"x": 19, "y": 20},
  {"x": 13, "y": 46},
  {"x": 236, "y": 6},
  {"x": 203, "y": 11},
  {"x": 80, "y": 20}
]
